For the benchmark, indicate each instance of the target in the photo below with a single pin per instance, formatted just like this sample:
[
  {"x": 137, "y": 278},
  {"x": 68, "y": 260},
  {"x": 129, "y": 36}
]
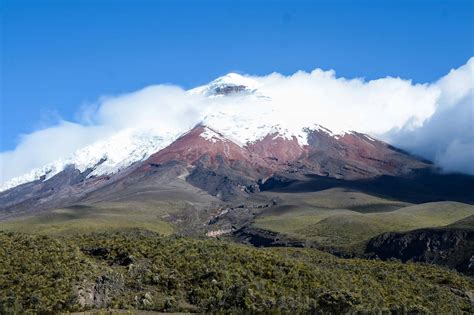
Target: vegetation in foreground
[{"x": 142, "y": 270}]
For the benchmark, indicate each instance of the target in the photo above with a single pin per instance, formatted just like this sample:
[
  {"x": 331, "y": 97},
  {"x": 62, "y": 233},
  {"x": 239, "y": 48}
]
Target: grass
[
  {"x": 466, "y": 223},
  {"x": 96, "y": 217},
  {"x": 141, "y": 270},
  {"x": 346, "y": 220},
  {"x": 335, "y": 218},
  {"x": 337, "y": 198}
]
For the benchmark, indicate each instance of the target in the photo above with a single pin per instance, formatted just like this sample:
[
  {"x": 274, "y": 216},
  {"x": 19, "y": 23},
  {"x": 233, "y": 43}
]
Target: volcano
[{"x": 227, "y": 157}]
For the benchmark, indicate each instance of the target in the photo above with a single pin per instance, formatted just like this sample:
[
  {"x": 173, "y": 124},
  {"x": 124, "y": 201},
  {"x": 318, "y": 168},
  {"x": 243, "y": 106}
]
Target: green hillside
[
  {"x": 98, "y": 217},
  {"x": 141, "y": 270},
  {"x": 346, "y": 220}
]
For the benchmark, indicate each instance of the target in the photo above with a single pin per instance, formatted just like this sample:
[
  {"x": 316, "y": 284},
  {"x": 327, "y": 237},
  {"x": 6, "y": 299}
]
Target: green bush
[{"x": 141, "y": 270}]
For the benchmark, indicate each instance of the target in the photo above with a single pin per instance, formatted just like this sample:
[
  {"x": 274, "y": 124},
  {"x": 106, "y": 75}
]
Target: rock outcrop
[{"x": 451, "y": 247}]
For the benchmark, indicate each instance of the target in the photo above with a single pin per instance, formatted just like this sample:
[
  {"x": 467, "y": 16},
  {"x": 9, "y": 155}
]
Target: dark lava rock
[
  {"x": 229, "y": 89},
  {"x": 101, "y": 252},
  {"x": 453, "y": 248},
  {"x": 124, "y": 259},
  {"x": 263, "y": 238}
]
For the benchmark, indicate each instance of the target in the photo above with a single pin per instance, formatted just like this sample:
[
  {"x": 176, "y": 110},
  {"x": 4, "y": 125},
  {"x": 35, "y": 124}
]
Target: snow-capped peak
[
  {"x": 228, "y": 84},
  {"x": 243, "y": 120},
  {"x": 236, "y": 80}
]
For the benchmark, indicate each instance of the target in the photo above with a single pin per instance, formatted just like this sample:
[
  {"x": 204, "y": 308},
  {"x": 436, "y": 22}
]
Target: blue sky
[{"x": 59, "y": 55}]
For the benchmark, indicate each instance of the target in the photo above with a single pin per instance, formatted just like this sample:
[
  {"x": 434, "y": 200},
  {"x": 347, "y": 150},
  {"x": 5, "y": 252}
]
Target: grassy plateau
[{"x": 346, "y": 220}]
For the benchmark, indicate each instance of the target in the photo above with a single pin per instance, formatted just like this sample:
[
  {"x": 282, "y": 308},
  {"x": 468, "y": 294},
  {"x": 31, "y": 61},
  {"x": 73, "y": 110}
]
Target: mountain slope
[
  {"x": 233, "y": 113},
  {"x": 231, "y": 154},
  {"x": 211, "y": 161}
]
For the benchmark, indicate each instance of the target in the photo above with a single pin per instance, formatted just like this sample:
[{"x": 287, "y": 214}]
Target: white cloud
[
  {"x": 447, "y": 136},
  {"x": 46, "y": 145},
  {"x": 355, "y": 104},
  {"x": 434, "y": 120}
]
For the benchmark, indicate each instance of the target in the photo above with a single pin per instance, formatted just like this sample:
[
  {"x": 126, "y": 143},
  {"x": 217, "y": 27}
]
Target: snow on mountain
[
  {"x": 212, "y": 135},
  {"x": 104, "y": 157},
  {"x": 251, "y": 113},
  {"x": 244, "y": 117},
  {"x": 228, "y": 84},
  {"x": 248, "y": 127},
  {"x": 245, "y": 130}
]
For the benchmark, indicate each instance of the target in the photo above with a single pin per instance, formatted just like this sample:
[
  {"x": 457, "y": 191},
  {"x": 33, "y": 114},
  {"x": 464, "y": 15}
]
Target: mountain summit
[
  {"x": 228, "y": 84},
  {"x": 231, "y": 153}
]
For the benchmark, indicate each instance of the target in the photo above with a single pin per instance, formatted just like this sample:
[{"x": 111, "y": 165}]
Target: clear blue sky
[{"x": 56, "y": 55}]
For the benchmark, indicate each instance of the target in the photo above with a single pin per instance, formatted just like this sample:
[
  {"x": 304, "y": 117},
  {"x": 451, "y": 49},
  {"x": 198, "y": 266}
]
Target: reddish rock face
[
  {"x": 378, "y": 154},
  {"x": 374, "y": 153},
  {"x": 224, "y": 169},
  {"x": 350, "y": 156},
  {"x": 276, "y": 149},
  {"x": 355, "y": 156},
  {"x": 204, "y": 144}
]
